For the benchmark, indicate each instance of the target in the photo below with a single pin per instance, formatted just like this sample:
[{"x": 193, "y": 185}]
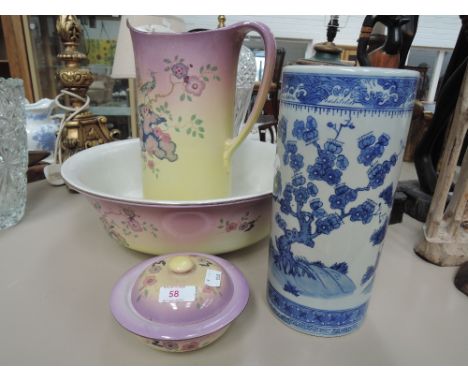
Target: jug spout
[{"x": 43, "y": 106}]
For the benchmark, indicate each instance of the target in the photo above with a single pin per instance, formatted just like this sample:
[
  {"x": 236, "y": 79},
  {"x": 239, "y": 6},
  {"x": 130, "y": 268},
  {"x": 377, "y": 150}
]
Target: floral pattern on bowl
[
  {"x": 185, "y": 345},
  {"x": 124, "y": 223},
  {"x": 245, "y": 223},
  {"x": 157, "y": 227},
  {"x": 159, "y": 230}
]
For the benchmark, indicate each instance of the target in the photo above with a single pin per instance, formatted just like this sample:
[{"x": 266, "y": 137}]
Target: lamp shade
[{"x": 124, "y": 61}]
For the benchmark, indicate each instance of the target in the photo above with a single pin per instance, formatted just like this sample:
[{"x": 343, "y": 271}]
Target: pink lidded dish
[{"x": 180, "y": 302}]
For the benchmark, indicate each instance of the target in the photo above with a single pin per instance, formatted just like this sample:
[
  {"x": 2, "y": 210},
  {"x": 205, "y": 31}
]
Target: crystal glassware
[
  {"x": 13, "y": 152},
  {"x": 245, "y": 82}
]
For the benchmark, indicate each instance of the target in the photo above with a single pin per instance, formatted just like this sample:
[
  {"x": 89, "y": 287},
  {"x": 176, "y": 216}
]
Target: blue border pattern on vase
[
  {"x": 392, "y": 95},
  {"x": 325, "y": 323}
]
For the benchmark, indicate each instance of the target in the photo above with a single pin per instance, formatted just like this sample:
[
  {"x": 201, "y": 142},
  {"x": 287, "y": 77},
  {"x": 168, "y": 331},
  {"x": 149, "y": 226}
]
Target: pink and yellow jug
[{"x": 186, "y": 84}]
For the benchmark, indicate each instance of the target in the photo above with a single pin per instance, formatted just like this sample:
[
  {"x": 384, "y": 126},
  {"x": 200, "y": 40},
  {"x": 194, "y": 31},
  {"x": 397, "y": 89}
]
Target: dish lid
[{"x": 179, "y": 296}]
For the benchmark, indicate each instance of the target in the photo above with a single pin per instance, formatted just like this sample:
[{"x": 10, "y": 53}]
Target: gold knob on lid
[{"x": 181, "y": 264}]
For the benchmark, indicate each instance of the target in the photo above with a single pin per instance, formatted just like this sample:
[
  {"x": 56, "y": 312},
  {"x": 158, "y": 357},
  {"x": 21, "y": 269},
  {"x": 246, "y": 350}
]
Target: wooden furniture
[
  {"x": 423, "y": 84},
  {"x": 388, "y": 55},
  {"x": 419, "y": 124},
  {"x": 266, "y": 126},
  {"x": 269, "y": 119},
  {"x": 13, "y": 52},
  {"x": 445, "y": 240},
  {"x": 28, "y": 50},
  {"x": 36, "y": 166},
  {"x": 349, "y": 53}
]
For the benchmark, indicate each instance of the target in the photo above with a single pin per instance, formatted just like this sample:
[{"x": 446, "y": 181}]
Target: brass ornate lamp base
[{"x": 83, "y": 130}]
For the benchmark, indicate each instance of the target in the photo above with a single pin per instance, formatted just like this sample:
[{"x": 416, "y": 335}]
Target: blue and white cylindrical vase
[{"x": 341, "y": 137}]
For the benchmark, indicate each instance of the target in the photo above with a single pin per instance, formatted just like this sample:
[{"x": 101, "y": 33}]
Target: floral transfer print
[
  {"x": 157, "y": 124},
  {"x": 206, "y": 294},
  {"x": 204, "y": 262},
  {"x": 171, "y": 346},
  {"x": 146, "y": 283},
  {"x": 183, "y": 77},
  {"x": 185, "y": 345},
  {"x": 244, "y": 224},
  {"x": 315, "y": 217},
  {"x": 124, "y": 224},
  {"x": 148, "y": 279}
]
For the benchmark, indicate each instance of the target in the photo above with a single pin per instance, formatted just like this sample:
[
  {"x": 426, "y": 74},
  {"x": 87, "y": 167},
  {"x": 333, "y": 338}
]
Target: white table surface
[{"x": 58, "y": 266}]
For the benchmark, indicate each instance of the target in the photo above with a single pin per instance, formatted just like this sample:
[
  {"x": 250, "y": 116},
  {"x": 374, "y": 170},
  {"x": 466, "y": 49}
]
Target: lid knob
[{"x": 181, "y": 264}]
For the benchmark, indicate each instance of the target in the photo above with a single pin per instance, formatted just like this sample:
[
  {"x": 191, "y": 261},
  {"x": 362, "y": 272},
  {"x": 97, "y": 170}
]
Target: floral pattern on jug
[
  {"x": 188, "y": 83},
  {"x": 157, "y": 123},
  {"x": 340, "y": 140}
]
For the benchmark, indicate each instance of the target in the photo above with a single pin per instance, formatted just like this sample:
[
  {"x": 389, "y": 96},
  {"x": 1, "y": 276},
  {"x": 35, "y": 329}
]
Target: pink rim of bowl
[{"x": 126, "y": 315}]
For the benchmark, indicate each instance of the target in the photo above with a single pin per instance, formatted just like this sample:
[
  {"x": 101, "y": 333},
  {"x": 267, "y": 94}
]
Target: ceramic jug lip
[
  {"x": 134, "y": 29},
  {"x": 355, "y": 70},
  {"x": 43, "y": 103}
]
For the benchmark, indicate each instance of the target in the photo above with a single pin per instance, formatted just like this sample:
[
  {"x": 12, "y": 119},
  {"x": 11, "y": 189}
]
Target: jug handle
[{"x": 270, "y": 58}]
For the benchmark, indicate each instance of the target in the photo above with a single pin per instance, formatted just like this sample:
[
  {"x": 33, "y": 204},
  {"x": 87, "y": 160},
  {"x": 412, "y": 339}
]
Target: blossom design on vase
[
  {"x": 299, "y": 199},
  {"x": 124, "y": 224},
  {"x": 368, "y": 275},
  {"x": 157, "y": 124},
  {"x": 244, "y": 224},
  {"x": 387, "y": 195}
]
